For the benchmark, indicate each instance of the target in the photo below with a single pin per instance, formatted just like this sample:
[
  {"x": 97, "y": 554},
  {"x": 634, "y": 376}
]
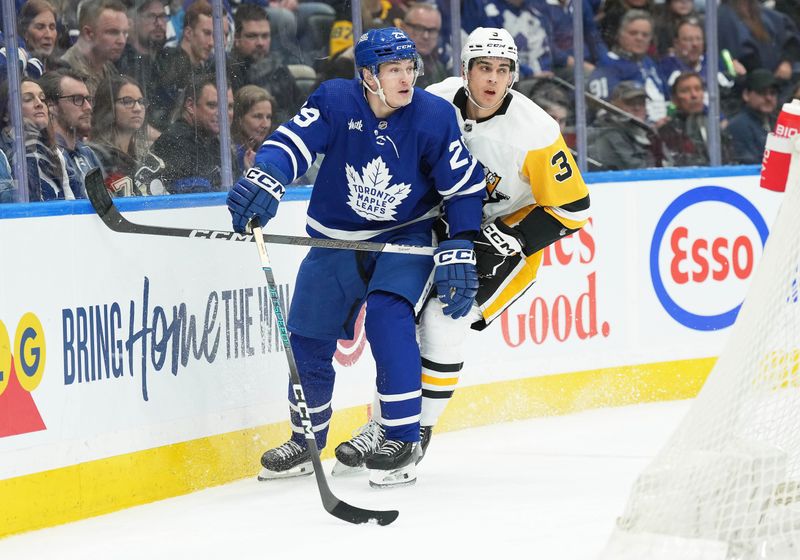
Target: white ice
[{"x": 546, "y": 488}]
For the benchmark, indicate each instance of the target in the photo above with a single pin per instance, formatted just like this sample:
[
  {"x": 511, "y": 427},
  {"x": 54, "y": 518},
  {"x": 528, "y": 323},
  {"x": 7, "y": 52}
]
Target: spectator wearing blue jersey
[
  {"x": 529, "y": 27},
  {"x": 628, "y": 61},
  {"x": 559, "y": 13},
  {"x": 190, "y": 146},
  {"x": 45, "y": 165},
  {"x": 70, "y": 105},
  {"x": 748, "y": 129},
  {"x": 36, "y": 24},
  {"x": 393, "y": 155}
]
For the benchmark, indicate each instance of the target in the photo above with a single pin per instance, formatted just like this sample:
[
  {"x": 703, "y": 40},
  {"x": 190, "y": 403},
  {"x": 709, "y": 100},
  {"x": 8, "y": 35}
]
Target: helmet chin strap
[
  {"x": 382, "y": 96},
  {"x": 472, "y": 99}
]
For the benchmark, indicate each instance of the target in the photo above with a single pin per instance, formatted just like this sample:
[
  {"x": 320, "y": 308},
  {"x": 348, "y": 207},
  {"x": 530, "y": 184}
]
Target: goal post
[{"x": 726, "y": 486}]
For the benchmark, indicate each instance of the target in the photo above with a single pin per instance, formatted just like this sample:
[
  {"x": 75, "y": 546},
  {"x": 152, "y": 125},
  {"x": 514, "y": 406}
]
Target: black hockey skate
[
  {"x": 351, "y": 454},
  {"x": 285, "y": 461},
  {"x": 425, "y": 433},
  {"x": 394, "y": 464}
]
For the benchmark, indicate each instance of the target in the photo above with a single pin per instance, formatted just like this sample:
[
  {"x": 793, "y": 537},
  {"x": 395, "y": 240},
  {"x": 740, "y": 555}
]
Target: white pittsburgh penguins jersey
[{"x": 527, "y": 164}]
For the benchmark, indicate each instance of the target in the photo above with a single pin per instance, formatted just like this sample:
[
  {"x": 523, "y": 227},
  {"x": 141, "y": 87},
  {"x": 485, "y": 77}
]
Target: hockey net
[{"x": 727, "y": 484}]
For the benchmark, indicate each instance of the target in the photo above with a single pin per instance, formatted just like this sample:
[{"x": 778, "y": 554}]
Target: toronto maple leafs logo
[{"x": 372, "y": 196}]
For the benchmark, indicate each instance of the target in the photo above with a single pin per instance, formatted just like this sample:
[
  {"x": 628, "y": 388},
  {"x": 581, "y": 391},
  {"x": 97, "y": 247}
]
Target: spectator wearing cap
[
  {"x": 176, "y": 67},
  {"x": 103, "y": 33},
  {"x": 70, "y": 104},
  {"x": 749, "y": 128},
  {"x": 190, "y": 147},
  {"x": 252, "y": 62},
  {"x": 621, "y": 139},
  {"x": 628, "y": 61},
  {"x": 148, "y": 34},
  {"x": 685, "y": 133},
  {"x": 423, "y": 23}
]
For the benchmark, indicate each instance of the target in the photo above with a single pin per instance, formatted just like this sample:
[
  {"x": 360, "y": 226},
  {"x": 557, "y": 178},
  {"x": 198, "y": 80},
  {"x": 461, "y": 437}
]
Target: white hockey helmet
[{"x": 490, "y": 41}]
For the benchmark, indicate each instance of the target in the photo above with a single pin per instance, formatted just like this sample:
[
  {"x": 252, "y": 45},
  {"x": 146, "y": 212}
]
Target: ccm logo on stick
[{"x": 703, "y": 253}]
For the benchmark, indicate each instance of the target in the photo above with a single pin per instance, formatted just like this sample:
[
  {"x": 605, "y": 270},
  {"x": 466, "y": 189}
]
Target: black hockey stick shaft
[
  {"x": 333, "y": 505},
  {"x": 104, "y": 206}
]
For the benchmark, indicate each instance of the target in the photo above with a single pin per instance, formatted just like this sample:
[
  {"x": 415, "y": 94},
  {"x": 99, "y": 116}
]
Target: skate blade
[
  {"x": 303, "y": 469},
  {"x": 405, "y": 476},
  {"x": 340, "y": 469}
]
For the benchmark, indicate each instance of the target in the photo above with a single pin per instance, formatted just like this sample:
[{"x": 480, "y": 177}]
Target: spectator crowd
[{"x": 129, "y": 85}]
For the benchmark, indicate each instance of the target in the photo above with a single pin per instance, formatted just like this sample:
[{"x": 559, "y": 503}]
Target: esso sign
[{"x": 703, "y": 254}]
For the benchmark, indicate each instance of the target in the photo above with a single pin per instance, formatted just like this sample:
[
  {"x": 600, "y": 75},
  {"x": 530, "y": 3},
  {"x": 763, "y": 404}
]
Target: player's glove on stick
[
  {"x": 455, "y": 276},
  {"x": 256, "y": 194},
  {"x": 494, "y": 246}
]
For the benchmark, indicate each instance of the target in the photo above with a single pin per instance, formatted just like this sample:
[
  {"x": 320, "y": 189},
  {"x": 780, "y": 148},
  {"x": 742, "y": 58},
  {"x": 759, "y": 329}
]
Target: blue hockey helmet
[{"x": 387, "y": 44}]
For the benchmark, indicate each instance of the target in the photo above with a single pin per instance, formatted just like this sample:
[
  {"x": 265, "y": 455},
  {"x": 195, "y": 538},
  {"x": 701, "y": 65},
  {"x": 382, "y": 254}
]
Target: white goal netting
[{"x": 727, "y": 484}]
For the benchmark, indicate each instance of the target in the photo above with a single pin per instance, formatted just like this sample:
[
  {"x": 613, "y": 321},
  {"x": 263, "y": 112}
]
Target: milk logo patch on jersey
[
  {"x": 372, "y": 196},
  {"x": 355, "y": 125}
]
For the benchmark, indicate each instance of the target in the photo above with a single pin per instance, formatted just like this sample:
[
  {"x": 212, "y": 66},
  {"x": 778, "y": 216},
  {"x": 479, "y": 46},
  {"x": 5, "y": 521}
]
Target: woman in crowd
[
  {"x": 252, "y": 122},
  {"x": 119, "y": 135},
  {"x": 758, "y": 37},
  {"x": 46, "y": 169},
  {"x": 37, "y": 26},
  {"x": 668, "y": 16}
]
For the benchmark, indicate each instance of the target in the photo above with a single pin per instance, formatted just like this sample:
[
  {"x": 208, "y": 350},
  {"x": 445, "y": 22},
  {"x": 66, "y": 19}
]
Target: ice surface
[{"x": 546, "y": 488}]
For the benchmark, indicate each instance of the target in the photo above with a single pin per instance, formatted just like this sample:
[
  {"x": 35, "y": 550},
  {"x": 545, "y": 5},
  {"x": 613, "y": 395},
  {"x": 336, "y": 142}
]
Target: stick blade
[
  {"x": 356, "y": 515},
  {"x": 97, "y": 193}
]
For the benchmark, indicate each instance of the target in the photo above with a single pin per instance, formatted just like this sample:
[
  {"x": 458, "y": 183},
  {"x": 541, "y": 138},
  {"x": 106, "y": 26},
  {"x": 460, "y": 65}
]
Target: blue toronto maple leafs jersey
[{"x": 379, "y": 177}]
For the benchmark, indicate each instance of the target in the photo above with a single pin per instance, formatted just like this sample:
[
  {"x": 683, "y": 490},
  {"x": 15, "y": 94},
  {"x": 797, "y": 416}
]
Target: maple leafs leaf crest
[{"x": 372, "y": 196}]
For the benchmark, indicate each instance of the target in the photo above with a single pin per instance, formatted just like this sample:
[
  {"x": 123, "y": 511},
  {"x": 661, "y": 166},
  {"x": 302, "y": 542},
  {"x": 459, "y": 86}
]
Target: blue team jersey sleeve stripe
[
  {"x": 469, "y": 190},
  {"x": 299, "y": 144},
  {"x": 289, "y": 152},
  {"x": 466, "y": 177}
]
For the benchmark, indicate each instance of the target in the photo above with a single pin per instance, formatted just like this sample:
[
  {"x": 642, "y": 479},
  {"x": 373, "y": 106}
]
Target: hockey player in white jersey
[
  {"x": 535, "y": 196},
  {"x": 393, "y": 157}
]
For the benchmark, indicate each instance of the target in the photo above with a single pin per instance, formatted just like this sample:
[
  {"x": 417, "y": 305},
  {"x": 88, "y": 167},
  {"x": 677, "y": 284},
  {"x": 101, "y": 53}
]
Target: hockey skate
[
  {"x": 425, "y": 433},
  {"x": 351, "y": 454},
  {"x": 394, "y": 464},
  {"x": 286, "y": 461}
]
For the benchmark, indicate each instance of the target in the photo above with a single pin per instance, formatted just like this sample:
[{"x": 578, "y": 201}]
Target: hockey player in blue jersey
[{"x": 394, "y": 156}]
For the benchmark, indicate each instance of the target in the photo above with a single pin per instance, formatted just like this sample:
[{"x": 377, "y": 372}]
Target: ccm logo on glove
[
  {"x": 464, "y": 256},
  {"x": 266, "y": 182},
  {"x": 505, "y": 244}
]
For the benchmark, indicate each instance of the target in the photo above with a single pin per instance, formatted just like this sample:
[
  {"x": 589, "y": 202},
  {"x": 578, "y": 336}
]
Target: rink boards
[{"x": 134, "y": 368}]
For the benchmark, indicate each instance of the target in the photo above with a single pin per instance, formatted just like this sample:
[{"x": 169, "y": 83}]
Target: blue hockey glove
[
  {"x": 256, "y": 194},
  {"x": 455, "y": 276}
]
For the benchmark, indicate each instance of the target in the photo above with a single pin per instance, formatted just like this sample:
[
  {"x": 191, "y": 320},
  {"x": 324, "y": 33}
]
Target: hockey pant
[
  {"x": 441, "y": 341},
  {"x": 341, "y": 281}
]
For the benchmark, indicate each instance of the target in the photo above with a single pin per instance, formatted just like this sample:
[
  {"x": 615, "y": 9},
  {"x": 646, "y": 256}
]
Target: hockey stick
[
  {"x": 332, "y": 504},
  {"x": 104, "y": 206}
]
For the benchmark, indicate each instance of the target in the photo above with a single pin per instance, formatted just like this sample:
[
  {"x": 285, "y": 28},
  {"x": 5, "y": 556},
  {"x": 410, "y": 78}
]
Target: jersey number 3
[{"x": 560, "y": 159}]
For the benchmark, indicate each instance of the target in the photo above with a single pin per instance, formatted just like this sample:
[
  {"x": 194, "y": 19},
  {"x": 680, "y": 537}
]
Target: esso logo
[{"x": 703, "y": 254}]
